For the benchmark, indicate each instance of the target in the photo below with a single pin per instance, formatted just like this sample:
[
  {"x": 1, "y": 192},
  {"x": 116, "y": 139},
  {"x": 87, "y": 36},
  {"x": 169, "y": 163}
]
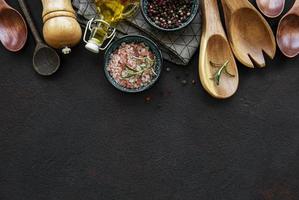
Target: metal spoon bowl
[
  {"x": 271, "y": 8},
  {"x": 288, "y": 32},
  {"x": 45, "y": 59},
  {"x": 13, "y": 28}
]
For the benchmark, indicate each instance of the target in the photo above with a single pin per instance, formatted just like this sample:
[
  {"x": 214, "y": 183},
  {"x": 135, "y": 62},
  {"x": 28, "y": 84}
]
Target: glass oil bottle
[{"x": 102, "y": 31}]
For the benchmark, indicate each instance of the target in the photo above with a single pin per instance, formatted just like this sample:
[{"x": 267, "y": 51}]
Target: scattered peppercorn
[
  {"x": 169, "y": 14},
  {"x": 148, "y": 99},
  {"x": 184, "y": 82}
]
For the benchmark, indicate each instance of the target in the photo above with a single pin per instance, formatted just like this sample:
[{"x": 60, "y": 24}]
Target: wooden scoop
[
  {"x": 13, "y": 29},
  {"x": 288, "y": 32},
  {"x": 45, "y": 59},
  {"x": 271, "y": 8},
  {"x": 248, "y": 33},
  {"x": 217, "y": 67}
]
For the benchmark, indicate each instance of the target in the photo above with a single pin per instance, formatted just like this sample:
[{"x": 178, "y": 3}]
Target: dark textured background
[{"x": 73, "y": 136}]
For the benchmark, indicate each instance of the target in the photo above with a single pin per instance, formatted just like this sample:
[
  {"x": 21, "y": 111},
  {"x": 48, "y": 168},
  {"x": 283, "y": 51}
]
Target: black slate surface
[{"x": 73, "y": 136}]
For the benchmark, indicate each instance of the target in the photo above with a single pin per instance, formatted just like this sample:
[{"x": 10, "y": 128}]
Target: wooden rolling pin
[{"x": 61, "y": 29}]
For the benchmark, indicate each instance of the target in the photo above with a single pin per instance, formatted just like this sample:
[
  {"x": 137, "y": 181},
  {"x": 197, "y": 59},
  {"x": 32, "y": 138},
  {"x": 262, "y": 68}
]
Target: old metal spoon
[
  {"x": 13, "y": 28},
  {"x": 248, "y": 33},
  {"x": 218, "y": 80},
  {"x": 288, "y": 32},
  {"x": 271, "y": 8},
  {"x": 45, "y": 59}
]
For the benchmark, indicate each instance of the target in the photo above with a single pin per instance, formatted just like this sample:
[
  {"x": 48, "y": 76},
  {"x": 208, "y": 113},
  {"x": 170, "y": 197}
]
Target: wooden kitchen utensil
[
  {"x": 13, "y": 28},
  {"x": 217, "y": 67},
  {"x": 45, "y": 59},
  {"x": 271, "y": 8},
  {"x": 248, "y": 33},
  {"x": 288, "y": 32},
  {"x": 61, "y": 29}
]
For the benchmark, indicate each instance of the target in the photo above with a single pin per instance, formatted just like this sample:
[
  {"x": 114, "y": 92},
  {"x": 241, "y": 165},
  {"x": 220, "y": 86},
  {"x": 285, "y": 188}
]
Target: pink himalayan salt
[{"x": 126, "y": 55}]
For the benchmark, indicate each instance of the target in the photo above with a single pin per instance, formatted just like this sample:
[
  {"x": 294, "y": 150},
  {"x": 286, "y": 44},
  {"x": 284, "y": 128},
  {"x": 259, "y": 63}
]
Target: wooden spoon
[
  {"x": 288, "y": 32},
  {"x": 248, "y": 33},
  {"x": 271, "y": 8},
  {"x": 45, "y": 59},
  {"x": 214, "y": 53},
  {"x": 13, "y": 29}
]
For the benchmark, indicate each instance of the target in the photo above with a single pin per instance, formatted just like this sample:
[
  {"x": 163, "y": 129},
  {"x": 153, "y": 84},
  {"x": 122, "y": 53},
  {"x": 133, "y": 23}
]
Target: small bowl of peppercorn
[{"x": 169, "y": 15}]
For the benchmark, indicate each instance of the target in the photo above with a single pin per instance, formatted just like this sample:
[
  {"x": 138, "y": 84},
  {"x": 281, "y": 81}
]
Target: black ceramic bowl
[
  {"x": 133, "y": 39},
  {"x": 144, "y": 6}
]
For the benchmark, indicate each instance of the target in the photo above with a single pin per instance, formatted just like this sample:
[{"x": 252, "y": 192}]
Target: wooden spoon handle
[
  {"x": 3, "y": 4},
  {"x": 212, "y": 21},
  {"x": 296, "y": 7},
  {"x": 30, "y": 22}
]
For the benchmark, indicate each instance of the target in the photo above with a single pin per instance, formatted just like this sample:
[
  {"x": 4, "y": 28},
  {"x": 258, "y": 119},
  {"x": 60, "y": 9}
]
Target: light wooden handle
[
  {"x": 3, "y": 4},
  {"x": 295, "y": 8},
  {"x": 211, "y": 16}
]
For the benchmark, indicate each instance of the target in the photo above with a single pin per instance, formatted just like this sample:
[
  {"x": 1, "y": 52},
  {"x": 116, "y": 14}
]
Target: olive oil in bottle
[{"x": 110, "y": 12}]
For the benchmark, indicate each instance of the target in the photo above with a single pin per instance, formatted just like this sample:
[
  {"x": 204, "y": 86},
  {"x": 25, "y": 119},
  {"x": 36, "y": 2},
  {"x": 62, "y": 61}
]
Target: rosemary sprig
[
  {"x": 147, "y": 64},
  {"x": 130, "y": 68},
  {"x": 143, "y": 58},
  {"x": 219, "y": 72}
]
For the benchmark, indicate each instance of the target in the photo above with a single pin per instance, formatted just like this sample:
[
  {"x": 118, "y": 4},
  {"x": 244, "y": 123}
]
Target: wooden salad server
[
  {"x": 271, "y": 8},
  {"x": 13, "y": 28},
  {"x": 61, "y": 29},
  {"x": 248, "y": 32},
  {"x": 288, "y": 32},
  {"x": 218, "y": 70}
]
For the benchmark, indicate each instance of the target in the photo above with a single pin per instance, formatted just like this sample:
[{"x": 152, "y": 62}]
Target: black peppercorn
[
  {"x": 184, "y": 82},
  {"x": 169, "y": 13}
]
